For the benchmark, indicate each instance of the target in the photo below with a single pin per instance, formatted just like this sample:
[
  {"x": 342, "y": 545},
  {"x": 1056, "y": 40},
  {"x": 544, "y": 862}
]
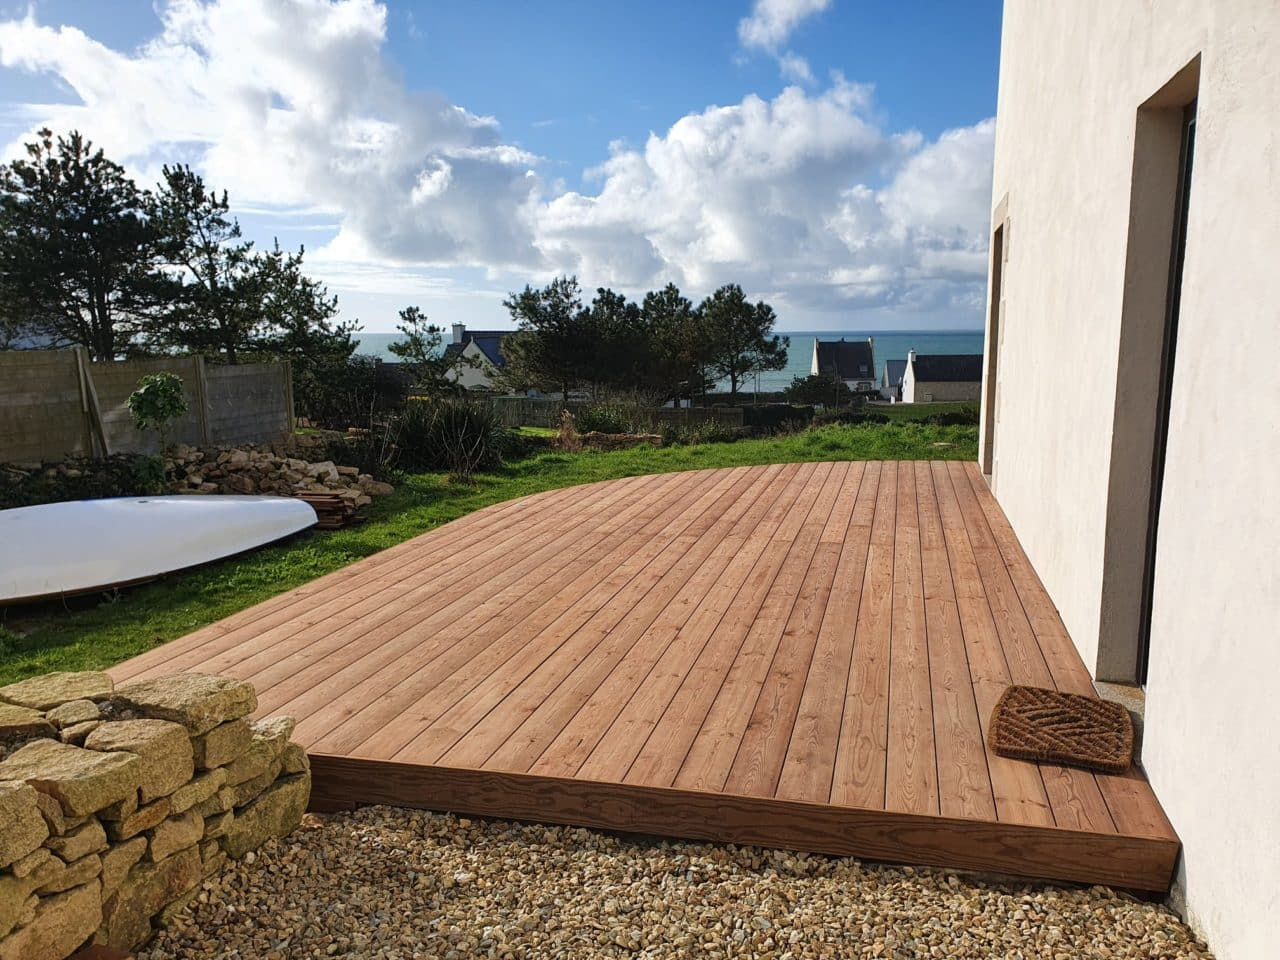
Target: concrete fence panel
[
  {"x": 42, "y": 405},
  {"x": 55, "y": 404},
  {"x": 250, "y": 402},
  {"x": 116, "y": 380}
]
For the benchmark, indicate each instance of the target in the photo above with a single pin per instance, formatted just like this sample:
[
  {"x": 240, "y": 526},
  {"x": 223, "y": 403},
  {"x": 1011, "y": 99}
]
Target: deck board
[{"x": 799, "y": 655}]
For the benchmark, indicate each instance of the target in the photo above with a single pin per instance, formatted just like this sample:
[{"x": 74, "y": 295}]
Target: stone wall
[{"x": 116, "y": 802}]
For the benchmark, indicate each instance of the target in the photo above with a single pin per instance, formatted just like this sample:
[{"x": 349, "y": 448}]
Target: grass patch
[
  {"x": 93, "y": 632},
  {"x": 909, "y": 412}
]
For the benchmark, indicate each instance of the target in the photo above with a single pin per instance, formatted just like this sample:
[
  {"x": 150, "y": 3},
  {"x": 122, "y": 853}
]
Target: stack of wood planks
[{"x": 332, "y": 511}]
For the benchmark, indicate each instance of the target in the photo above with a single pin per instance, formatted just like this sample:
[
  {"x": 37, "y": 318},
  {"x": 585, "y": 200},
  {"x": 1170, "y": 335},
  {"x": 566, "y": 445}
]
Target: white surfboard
[{"x": 64, "y": 548}]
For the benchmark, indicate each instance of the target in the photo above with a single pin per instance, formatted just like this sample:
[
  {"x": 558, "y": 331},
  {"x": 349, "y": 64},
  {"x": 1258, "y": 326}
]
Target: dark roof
[
  {"x": 845, "y": 359},
  {"x": 893, "y": 371},
  {"x": 489, "y": 342},
  {"x": 948, "y": 367}
]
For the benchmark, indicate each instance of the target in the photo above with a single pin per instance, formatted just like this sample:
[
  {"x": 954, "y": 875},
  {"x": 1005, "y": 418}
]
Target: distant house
[
  {"x": 484, "y": 349},
  {"x": 891, "y": 380},
  {"x": 852, "y": 361},
  {"x": 942, "y": 376}
]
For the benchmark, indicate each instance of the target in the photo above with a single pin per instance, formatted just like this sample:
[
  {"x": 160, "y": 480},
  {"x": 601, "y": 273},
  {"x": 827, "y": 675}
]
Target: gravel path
[{"x": 391, "y": 884}]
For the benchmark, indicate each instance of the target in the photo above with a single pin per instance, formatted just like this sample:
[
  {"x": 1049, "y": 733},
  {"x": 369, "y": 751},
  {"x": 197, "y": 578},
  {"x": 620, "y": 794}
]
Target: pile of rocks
[
  {"x": 247, "y": 470},
  {"x": 116, "y": 802}
]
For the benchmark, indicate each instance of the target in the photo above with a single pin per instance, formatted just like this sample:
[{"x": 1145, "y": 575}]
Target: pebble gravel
[{"x": 392, "y": 884}]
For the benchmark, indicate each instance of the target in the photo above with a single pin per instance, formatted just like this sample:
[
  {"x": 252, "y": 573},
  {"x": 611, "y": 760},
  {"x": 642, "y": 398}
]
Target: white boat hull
[{"x": 65, "y": 548}]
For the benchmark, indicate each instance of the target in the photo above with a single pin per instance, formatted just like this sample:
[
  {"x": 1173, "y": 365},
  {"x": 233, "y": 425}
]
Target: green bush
[
  {"x": 604, "y": 418},
  {"x": 847, "y": 415},
  {"x": 158, "y": 400},
  {"x": 819, "y": 388},
  {"x": 347, "y": 392},
  {"x": 517, "y": 445},
  {"x": 122, "y": 475},
  {"x": 966, "y": 416},
  {"x": 372, "y": 449},
  {"x": 450, "y": 434},
  {"x": 708, "y": 431},
  {"x": 772, "y": 418}
]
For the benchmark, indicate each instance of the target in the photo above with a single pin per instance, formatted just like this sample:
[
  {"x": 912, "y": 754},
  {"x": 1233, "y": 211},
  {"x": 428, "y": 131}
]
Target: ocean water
[{"x": 889, "y": 345}]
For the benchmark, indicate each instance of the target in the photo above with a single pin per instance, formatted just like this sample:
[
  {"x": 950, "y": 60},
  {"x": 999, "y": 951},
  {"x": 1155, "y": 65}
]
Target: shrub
[
  {"x": 122, "y": 475},
  {"x": 818, "y": 388},
  {"x": 966, "y": 416},
  {"x": 847, "y": 416},
  {"x": 604, "y": 418},
  {"x": 158, "y": 401},
  {"x": 771, "y": 418},
  {"x": 517, "y": 445},
  {"x": 371, "y": 449},
  {"x": 147, "y": 475},
  {"x": 351, "y": 391},
  {"x": 450, "y": 434},
  {"x": 708, "y": 431},
  {"x": 567, "y": 438}
]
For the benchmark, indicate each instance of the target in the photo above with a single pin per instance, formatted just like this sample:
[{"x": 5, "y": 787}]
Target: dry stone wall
[{"x": 117, "y": 801}]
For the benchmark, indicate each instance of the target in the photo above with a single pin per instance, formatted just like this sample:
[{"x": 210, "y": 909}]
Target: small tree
[
  {"x": 215, "y": 284},
  {"x": 554, "y": 344},
  {"x": 678, "y": 349},
  {"x": 79, "y": 256},
  {"x": 158, "y": 401},
  {"x": 819, "y": 388},
  {"x": 740, "y": 338},
  {"x": 433, "y": 370}
]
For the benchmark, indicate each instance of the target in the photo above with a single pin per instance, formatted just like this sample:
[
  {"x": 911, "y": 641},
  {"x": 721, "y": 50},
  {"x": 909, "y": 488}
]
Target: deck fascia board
[{"x": 1019, "y": 850}]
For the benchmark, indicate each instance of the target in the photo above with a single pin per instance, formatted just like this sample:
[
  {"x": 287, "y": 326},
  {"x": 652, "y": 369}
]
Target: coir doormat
[{"x": 1031, "y": 723}]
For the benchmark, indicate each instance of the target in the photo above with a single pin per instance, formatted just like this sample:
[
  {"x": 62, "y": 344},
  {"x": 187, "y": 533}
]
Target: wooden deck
[{"x": 803, "y": 656}]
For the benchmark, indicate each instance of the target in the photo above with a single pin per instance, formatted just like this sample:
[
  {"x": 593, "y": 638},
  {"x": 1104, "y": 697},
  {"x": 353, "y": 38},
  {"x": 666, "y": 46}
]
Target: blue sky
[{"x": 831, "y": 156}]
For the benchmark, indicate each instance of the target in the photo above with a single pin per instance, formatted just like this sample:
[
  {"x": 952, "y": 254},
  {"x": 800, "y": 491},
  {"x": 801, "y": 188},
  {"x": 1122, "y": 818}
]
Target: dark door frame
[
  {"x": 1164, "y": 399},
  {"x": 1154, "y": 252}
]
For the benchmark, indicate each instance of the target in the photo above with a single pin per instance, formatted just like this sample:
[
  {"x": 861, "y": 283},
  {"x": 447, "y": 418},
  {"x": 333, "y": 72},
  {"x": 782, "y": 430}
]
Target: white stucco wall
[
  {"x": 1071, "y": 80},
  {"x": 478, "y": 377}
]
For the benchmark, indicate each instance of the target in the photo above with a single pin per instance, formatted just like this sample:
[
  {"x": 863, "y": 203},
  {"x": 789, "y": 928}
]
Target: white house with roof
[
  {"x": 891, "y": 379},
  {"x": 851, "y": 361},
  {"x": 482, "y": 352},
  {"x": 936, "y": 377}
]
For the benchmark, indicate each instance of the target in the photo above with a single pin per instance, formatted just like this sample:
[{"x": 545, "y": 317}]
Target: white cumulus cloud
[
  {"x": 776, "y": 195},
  {"x": 288, "y": 103},
  {"x": 292, "y": 106},
  {"x": 772, "y": 21}
]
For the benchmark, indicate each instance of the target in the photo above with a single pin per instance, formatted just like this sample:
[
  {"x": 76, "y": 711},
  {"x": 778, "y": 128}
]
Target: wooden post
[
  {"x": 86, "y": 429},
  {"x": 202, "y": 400},
  {"x": 91, "y": 395},
  {"x": 291, "y": 415}
]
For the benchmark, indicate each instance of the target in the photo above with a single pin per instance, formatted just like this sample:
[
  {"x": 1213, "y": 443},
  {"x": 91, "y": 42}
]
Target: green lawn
[{"x": 89, "y": 633}]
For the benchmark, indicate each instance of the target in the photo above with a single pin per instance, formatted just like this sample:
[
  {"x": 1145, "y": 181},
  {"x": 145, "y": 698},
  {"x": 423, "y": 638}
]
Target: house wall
[
  {"x": 944, "y": 391},
  {"x": 913, "y": 390},
  {"x": 480, "y": 377},
  {"x": 1072, "y": 79}
]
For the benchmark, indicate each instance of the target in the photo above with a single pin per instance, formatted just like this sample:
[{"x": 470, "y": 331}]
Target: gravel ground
[{"x": 392, "y": 884}]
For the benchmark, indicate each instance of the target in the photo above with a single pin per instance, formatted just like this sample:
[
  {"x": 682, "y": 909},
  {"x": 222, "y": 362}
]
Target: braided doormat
[{"x": 1030, "y": 723}]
